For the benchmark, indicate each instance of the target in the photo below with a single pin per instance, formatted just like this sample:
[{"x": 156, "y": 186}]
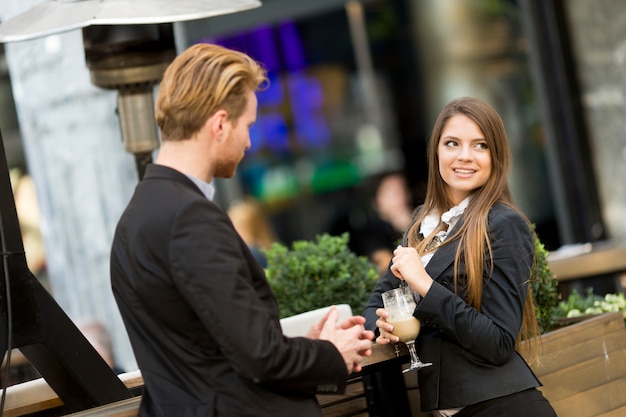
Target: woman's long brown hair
[{"x": 472, "y": 235}]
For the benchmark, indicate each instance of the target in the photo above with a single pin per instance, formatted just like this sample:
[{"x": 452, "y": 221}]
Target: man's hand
[
  {"x": 316, "y": 329},
  {"x": 350, "y": 337}
]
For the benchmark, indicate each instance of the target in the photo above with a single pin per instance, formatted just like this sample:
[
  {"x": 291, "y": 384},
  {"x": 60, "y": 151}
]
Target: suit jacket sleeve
[{"x": 236, "y": 306}]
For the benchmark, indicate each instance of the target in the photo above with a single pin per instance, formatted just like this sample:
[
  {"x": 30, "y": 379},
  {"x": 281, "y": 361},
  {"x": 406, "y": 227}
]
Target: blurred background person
[
  {"x": 392, "y": 214},
  {"x": 100, "y": 338},
  {"x": 253, "y": 225},
  {"x": 377, "y": 227},
  {"x": 29, "y": 217}
]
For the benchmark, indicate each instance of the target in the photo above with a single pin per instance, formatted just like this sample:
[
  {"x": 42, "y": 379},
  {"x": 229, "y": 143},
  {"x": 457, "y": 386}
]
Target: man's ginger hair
[{"x": 203, "y": 79}]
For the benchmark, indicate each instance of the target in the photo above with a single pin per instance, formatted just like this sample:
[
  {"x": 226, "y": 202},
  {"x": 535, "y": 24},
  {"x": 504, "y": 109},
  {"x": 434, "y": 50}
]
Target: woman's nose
[{"x": 465, "y": 153}]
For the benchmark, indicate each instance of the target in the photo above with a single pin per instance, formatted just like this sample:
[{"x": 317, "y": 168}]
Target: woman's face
[{"x": 464, "y": 157}]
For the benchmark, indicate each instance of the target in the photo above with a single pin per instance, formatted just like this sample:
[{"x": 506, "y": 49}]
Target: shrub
[
  {"x": 544, "y": 288},
  {"x": 314, "y": 274}
]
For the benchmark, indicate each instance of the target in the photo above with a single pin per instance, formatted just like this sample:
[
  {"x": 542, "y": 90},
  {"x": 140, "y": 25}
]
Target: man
[{"x": 201, "y": 317}]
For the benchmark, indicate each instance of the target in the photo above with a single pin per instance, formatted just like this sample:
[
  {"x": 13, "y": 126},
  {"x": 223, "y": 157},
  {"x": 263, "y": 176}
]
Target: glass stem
[{"x": 411, "y": 347}]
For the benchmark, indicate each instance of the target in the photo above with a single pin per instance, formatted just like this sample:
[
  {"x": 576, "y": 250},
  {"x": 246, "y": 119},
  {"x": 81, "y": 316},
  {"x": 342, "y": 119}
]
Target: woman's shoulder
[
  {"x": 508, "y": 227},
  {"x": 505, "y": 213}
]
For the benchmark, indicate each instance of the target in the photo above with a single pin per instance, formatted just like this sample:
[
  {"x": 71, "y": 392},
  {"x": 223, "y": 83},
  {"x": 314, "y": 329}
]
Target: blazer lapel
[
  {"x": 444, "y": 256},
  {"x": 441, "y": 260}
]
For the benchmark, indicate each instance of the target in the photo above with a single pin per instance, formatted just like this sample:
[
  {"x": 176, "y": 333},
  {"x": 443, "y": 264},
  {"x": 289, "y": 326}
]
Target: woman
[{"x": 467, "y": 255}]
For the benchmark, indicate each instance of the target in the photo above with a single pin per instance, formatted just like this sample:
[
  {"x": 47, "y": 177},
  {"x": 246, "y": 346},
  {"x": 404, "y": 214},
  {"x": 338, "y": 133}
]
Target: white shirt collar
[
  {"x": 206, "y": 187},
  {"x": 431, "y": 221},
  {"x": 450, "y": 217}
]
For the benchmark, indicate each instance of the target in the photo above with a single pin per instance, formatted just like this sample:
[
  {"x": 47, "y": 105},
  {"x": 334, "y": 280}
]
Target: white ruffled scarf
[{"x": 431, "y": 221}]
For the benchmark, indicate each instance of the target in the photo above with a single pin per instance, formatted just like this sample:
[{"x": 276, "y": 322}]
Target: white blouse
[{"x": 431, "y": 221}]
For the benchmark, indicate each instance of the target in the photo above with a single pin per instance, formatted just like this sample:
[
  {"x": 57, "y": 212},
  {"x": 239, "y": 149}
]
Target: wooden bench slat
[
  {"x": 585, "y": 375},
  {"x": 593, "y": 402},
  {"x": 581, "y": 351},
  {"x": 30, "y": 397},
  {"x": 619, "y": 412},
  {"x": 589, "y": 329},
  {"x": 124, "y": 408}
]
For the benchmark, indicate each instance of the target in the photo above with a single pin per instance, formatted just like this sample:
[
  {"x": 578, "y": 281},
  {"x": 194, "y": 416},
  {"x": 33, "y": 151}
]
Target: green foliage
[
  {"x": 590, "y": 303},
  {"x": 576, "y": 303},
  {"x": 544, "y": 288},
  {"x": 548, "y": 306},
  {"x": 314, "y": 274}
]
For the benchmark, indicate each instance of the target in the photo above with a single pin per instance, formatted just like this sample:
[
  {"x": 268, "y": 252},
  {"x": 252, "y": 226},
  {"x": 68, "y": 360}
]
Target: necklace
[{"x": 436, "y": 241}]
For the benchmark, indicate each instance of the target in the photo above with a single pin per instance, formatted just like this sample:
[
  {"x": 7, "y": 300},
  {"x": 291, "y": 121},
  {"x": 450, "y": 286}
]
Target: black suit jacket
[
  {"x": 201, "y": 317},
  {"x": 473, "y": 353}
]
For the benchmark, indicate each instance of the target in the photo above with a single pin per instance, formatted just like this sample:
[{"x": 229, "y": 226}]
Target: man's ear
[{"x": 219, "y": 125}]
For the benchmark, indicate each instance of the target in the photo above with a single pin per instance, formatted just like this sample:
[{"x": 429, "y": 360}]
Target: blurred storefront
[
  {"x": 335, "y": 112},
  {"x": 355, "y": 89}
]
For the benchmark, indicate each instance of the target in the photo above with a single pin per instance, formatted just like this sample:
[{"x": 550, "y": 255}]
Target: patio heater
[{"x": 128, "y": 44}]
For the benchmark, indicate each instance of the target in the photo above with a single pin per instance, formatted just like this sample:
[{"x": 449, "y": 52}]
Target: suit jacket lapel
[
  {"x": 444, "y": 256},
  {"x": 441, "y": 260}
]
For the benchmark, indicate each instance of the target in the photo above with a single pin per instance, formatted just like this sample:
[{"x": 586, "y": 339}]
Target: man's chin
[{"x": 226, "y": 173}]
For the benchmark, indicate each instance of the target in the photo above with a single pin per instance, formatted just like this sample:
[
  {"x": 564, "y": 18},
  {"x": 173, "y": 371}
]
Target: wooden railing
[
  {"x": 36, "y": 396},
  {"x": 582, "y": 367}
]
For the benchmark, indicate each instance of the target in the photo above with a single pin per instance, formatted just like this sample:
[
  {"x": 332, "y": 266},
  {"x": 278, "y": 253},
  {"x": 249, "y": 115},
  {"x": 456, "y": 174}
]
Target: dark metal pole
[{"x": 563, "y": 117}]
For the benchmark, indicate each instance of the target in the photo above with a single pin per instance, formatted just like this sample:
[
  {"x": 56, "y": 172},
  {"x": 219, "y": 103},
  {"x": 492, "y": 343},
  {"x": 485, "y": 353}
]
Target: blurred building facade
[{"x": 355, "y": 88}]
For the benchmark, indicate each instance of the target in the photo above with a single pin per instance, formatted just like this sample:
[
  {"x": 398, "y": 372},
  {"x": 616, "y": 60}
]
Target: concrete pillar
[{"x": 82, "y": 174}]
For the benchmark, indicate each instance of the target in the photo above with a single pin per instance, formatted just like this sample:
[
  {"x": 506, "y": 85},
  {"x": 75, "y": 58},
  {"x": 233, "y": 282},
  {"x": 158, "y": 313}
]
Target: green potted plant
[
  {"x": 314, "y": 274},
  {"x": 551, "y": 311},
  {"x": 544, "y": 288}
]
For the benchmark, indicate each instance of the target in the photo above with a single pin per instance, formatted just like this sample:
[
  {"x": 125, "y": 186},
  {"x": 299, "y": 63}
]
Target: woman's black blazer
[{"x": 473, "y": 352}]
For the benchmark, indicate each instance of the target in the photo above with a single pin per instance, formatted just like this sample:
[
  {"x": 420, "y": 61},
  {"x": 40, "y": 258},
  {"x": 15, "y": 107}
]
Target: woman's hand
[
  {"x": 385, "y": 329},
  {"x": 407, "y": 265}
]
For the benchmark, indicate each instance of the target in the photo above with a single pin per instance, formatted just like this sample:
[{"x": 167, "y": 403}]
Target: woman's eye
[
  {"x": 450, "y": 143},
  {"x": 482, "y": 145}
]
